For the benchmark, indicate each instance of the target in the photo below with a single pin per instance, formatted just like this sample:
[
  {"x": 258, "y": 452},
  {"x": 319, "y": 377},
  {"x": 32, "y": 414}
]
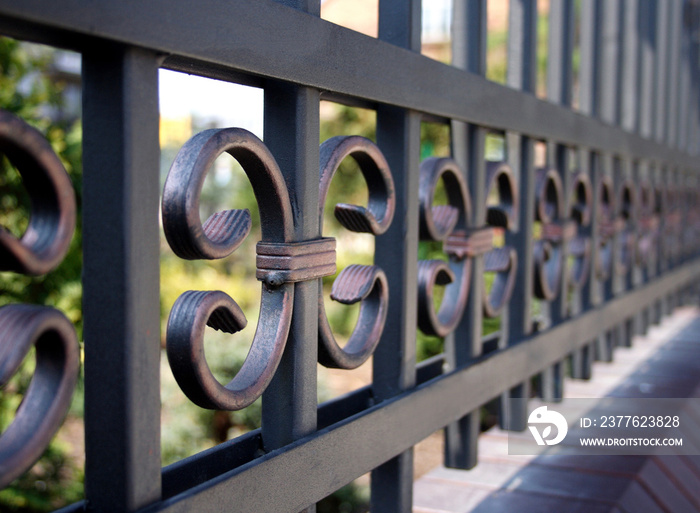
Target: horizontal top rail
[{"x": 309, "y": 51}]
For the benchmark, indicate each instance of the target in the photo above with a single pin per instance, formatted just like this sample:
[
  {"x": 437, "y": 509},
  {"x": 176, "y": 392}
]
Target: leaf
[{"x": 545, "y": 433}]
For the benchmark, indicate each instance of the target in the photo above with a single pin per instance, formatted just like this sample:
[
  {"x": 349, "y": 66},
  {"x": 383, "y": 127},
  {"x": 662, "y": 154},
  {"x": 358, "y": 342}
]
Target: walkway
[{"x": 664, "y": 363}]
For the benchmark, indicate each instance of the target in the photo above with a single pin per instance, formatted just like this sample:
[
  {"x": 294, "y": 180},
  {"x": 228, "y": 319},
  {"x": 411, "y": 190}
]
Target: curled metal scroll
[
  {"x": 38, "y": 251},
  {"x": 625, "y": 228},
  {"x": 504, "y": 260},
  {"x": 218, "y": 237},
  {"x": 48, "y": 398},
  {"x": 580, "y": 244},
  {"x": 556, "y": 232},
  {"x": 608, "y": 229},
  {"x": 449, "y": 224},
  {"x": 366, "y": 284},
  {"x": 52, "y": 216}
]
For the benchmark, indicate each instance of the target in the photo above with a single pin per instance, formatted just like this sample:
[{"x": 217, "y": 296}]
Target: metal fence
[{"x": 605, "y": 249}]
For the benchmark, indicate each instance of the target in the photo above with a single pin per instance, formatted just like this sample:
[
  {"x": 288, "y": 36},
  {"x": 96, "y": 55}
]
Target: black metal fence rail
[{"x": 606, "y": 249}]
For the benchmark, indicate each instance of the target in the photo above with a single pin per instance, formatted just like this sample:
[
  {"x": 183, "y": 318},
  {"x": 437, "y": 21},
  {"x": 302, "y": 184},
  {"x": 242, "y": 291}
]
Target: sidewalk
[{"x": 664, "y": 363}]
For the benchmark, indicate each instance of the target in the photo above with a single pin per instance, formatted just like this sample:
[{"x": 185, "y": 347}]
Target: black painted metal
[
  {"x": 468, "y": 146},
  {"x": 121, "y": 277},
  {"x": 393, "y": 366},
  {"x": 628, "y": 218}
]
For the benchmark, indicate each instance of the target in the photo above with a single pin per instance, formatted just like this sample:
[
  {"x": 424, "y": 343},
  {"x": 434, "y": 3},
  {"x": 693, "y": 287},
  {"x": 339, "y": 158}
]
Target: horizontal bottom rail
[{"x": 312, "y": 468}]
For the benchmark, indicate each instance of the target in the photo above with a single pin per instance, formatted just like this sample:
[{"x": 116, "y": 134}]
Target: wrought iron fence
[{"x": 605, "y": 249}]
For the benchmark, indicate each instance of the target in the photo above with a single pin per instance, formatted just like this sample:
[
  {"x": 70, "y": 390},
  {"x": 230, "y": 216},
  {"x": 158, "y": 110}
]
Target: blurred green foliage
[
  {"x": 31, "y": 95},
  {"x": 29, "y": 92}
]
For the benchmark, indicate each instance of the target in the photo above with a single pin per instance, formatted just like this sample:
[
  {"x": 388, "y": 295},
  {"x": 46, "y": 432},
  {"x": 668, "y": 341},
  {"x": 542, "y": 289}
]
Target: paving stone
[
  {"x": 571, "y": 484},
  {"x": 447, "y": 496},
  {"x": 665, "y": 491},
  {"x": 636, "y": 499},
  {"x": 686, "y": 480},
  {"x": 489, "y": 474},
  {"x": 508, "y": 501},
  {"x": 662, "y": 364}
]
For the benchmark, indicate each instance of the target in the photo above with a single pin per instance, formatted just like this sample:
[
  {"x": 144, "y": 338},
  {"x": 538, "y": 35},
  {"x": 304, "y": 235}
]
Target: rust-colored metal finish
[
  {"x": 223, "y": 232},
  {"x": 377, "y": 216},
  {"x": 556, "y": 232},
  {"x": 294, "y": 262},
  {"x": 48, "y": 398},
  {"x": 52, "y": 219},
  {"x": 580, "y": 244},
  {"x": 218, "y": 237},
  {"x": 38, "y": 251},
  {"x": 366, "y": 284},
  {"x": 469, "y": 243},
  {"x": 191, "y": 313},
  {"x": 503, "y": 261},
  {"x": 449, "y": 224}
]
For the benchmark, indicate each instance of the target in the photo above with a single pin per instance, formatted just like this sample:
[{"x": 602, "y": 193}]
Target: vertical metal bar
[
  {"x": 684, "y": 79},
  {"x": 590, "y": 57},
  {"x": 522, "y": 75},
  {"x": 591, "y": 69},
  {"x": 522, "y": 45},
  {"x": 648, "y": 44},
  {"x": 630, "y": 66},
  {"x": 610, "y": 112},
  {"x": 560, "y": 49},
  {"x": 468, "y": 53},
  {"x": 655, "y": 182},
  {"x": 398, "y": 136},
  {"x": 642, "y": 270},
  {"x": 291, "y": 127},
  {"x": 559, "y": 90},
  {"x": 121, "y": 278},
  {"x": 694, "y": 130},
  {"x": 601, "y": 347},
  {"x": 662, "y": 67},
  {"x": 582, "y": 360},
  {"x": 605, "y": 342},
  {"x": 693, "y": 109},
  {"x": 617, "y": 170},
  {"x": 630, "y": 171},
  {"x": 590, "y": 164},
  {"x": 291, "y": 131},
  {"x": 663, "y": 177},
  {"x": 610, "y": 57},
  {"x": 672, "y": 104},
  {"x": 589, "y": 83}
]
